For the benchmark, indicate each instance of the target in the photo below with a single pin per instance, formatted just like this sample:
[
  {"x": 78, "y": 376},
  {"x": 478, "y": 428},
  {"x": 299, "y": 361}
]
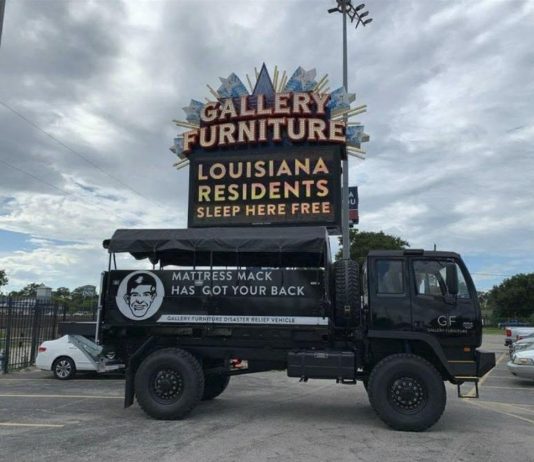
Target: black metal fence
[{"x": 27, "y": 322}]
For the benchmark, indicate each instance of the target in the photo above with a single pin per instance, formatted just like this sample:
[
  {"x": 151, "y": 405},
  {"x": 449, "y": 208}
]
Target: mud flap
[{"x": 133, "y": 364}]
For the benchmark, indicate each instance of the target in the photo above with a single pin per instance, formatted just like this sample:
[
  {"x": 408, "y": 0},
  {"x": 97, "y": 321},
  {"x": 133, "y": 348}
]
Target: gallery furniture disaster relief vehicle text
[{"x": 250, "y": 286}]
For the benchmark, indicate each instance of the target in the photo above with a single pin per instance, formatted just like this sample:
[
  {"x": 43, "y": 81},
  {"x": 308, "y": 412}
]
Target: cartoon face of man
[{"x": 140, "y": 293}]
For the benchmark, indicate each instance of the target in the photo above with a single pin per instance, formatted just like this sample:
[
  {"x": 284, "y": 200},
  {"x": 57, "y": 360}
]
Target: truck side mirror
[{"x": 452, "y": 278}]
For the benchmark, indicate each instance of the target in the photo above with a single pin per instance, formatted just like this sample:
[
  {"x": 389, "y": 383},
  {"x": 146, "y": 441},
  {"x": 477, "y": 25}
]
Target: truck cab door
[
  {"x": 388, "y": 294},
  {"x": 444, "y": 301}
]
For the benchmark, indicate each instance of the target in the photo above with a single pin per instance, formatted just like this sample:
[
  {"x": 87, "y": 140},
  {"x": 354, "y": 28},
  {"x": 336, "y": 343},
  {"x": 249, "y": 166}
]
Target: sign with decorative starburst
[{"x": 270, "y": 156}]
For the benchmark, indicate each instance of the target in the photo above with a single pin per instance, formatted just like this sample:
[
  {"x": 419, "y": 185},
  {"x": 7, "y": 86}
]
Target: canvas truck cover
[{"x": 276, "y": 247}]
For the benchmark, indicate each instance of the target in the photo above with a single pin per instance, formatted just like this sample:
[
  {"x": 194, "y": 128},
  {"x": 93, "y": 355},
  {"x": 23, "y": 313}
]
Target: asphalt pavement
[{"x": 260, "y": 417}]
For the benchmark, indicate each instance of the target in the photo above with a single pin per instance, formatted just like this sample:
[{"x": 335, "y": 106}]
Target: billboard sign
[
  {"x": 273, "y": 296},
  {"x": 268, "y": 157},
  {"x": 354, "y": 217},
  {"x": 292, "y": 186}
]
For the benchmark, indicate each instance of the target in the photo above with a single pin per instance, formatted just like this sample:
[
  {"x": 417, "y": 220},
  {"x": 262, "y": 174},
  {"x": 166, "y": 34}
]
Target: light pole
[
  {"x": 347, "y": 9},
  {"x": 2, "y": 8}
]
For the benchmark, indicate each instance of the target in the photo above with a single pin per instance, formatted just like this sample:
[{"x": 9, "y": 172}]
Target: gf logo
[{"x": 446, "y": 321}]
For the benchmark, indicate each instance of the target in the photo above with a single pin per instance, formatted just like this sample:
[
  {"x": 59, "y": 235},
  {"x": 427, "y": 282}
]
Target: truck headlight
[{"x": 523, "y": 361}]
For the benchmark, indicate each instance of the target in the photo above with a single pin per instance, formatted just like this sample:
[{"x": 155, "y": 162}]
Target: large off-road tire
[
  {"x": 347, "y": 293},
  {"x": 407, "y": 392},
  {"x": 214, "y": 385},
  {"x": 169, "y": 384}
]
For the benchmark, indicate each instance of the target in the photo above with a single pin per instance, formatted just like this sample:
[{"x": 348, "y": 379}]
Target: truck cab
[{"x": 427, "y": 299}]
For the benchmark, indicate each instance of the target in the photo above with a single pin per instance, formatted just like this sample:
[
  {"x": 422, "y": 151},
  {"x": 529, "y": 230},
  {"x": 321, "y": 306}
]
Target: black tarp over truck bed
[
  {"x": 228, "y": 276},
  {"x": 280, "y": 247}
]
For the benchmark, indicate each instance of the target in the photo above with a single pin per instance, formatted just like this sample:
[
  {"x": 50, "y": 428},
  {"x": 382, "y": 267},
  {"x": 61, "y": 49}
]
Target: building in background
[
  {"x": 86, "y": 291},
  {"x": 43, "y": 292}
]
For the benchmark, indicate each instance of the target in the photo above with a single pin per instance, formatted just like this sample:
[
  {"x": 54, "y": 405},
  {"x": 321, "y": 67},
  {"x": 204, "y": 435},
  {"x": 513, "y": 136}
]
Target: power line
[
  {"x": 66, "y": 193},
  {"x": 35, "y": 177},
  {"x": 89, "y": 161}
]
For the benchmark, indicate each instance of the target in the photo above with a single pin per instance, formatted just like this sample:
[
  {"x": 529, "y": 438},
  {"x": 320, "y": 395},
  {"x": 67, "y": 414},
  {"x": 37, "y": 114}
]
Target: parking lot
[{"x": 260, "y": 417}]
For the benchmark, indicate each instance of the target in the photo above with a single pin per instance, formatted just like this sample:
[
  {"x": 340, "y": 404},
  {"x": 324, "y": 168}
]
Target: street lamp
[
  {"x": 2, "y": 8},
  {"x": 347, "y": 9}
]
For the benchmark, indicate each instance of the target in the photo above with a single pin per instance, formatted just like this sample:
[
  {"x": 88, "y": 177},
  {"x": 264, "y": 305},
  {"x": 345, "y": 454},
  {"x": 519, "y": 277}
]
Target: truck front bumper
[
  {"x": 485, "y": 362},
  {"x": 472, "y": 371}
]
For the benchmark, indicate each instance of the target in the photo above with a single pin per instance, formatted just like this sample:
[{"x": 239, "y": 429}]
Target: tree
[
  {"x": 84, "y": 298},
  {"x": 363, "y": 241},
  {"x": 62, "y": 296},
  {"x": 513, "y": 298},
  {"x": 61, "y": 293},
  {"x": 29, "y": 290},
  {"x": 3, "y": 279}
]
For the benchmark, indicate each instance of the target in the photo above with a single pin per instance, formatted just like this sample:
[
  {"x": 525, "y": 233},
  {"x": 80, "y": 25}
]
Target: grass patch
[{"x": 493, "y": 330}]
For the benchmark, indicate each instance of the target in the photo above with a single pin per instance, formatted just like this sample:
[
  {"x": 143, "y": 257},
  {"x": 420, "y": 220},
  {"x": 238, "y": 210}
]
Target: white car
[
  {"x": 522, "y": 364},
  {"x": 72, "y": 353},
  {"x": 524, "y": 344}
]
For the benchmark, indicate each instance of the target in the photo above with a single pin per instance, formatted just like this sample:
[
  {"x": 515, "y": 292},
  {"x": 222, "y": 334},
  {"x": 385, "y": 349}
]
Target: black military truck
[{"x": 218, "y": 302}]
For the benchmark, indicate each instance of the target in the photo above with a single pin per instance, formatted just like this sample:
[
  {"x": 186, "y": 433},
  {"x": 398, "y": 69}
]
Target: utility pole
[
  {"x": 345, "y": 166},
  {"x": 2, "y": 9},
  {"x": 347, "y": 9}
]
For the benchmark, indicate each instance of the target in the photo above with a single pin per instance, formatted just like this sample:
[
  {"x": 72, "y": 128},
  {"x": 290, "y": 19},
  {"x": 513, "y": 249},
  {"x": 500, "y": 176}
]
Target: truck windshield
[{"x": 430, "y": 278}]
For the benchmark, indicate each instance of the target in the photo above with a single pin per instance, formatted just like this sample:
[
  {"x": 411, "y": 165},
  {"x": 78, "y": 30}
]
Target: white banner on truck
[{"x": 238, "y": 319}]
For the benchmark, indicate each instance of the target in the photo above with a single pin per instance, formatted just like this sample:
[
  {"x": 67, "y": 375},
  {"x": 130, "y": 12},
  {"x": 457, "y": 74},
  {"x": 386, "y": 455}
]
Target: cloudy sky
[{"x": 95, "y": 84}]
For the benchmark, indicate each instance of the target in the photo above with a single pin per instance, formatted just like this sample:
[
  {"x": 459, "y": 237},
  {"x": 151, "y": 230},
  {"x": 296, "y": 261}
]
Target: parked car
[
  {"x": 71, "y": 353},
  {"x": 526, "y": 343},
  {"x": 512, "y": 323},
  {"x": 522, "y": 364},
  {"x": 516, "y": 333}
]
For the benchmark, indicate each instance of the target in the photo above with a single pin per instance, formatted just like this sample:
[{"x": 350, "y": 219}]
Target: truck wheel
[
  {"x": 214, "y": 385},
  {"x": 169, "y": 384},
  {"x": 347, "y": 293},
  {"x": 407, "y": 392}
]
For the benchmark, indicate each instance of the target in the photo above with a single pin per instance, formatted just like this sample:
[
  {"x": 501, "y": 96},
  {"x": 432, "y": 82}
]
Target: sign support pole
[
  {"x": 345, "y": 7},
  {"x": 345, "y": 164},
  {"x": 2, "y": 9}
]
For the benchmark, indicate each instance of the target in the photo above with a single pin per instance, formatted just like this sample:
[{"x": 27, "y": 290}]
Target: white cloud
[
  {"x": 54, "y": 265},
  {"x": 83, "y": 215},
  {"x": 449, "y": 87}
]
